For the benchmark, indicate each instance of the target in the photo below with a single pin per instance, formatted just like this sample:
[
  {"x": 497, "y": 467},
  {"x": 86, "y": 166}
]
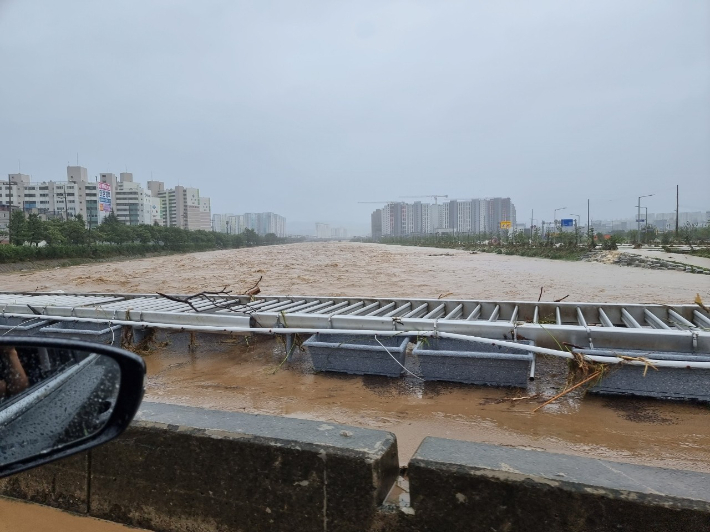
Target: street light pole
[
  {"x": 645, "y": 231},
  {"x": 576, "y": 229},
  {"x": 9, "y": 213},
  {"x": 638, "y": 218},
  {"x": 554, "y": 220}
]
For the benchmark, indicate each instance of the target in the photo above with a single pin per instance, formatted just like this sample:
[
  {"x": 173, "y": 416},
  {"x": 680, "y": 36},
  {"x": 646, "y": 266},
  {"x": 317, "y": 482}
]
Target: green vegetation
[
  {"x": 562, "y": 246},
  {"x": 72, "y": 240},
  {"x": 705, "y": 252}
]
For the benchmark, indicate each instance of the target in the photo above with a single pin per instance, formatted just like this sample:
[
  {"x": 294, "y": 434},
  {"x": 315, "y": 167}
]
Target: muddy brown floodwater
[
  {"x": 16, "y": 516},
  {"x": 237, "y": 377},
  {"x": 250, "y": 378},
  {"x": 353, "y": 269}
]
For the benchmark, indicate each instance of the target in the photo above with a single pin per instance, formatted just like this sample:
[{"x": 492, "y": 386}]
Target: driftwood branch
[{"x": 219, "y": 299}]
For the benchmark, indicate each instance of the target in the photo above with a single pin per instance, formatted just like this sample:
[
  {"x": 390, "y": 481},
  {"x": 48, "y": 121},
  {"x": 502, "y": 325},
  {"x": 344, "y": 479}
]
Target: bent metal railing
[{"x": 653, "y": 327}]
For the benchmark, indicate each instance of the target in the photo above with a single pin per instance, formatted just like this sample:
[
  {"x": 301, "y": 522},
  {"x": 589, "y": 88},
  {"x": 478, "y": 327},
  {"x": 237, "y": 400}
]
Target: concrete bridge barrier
[
  {"x": 189, "y": 469},
  {"x": 182, "y": 468},
  {"x": 459, "y": 485}
]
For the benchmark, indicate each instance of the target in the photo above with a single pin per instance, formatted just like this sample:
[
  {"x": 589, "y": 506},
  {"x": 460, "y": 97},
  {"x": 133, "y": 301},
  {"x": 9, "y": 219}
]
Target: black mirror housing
[{"x": 94, "y": 371}]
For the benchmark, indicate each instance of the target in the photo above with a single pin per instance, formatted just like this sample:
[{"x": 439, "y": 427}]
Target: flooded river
[
  {"x": 16, "y": 516},
  {"x": 250, "y": 378},
  {"x": 353, "y": 269},
  {"x": 237, "y": 377}
]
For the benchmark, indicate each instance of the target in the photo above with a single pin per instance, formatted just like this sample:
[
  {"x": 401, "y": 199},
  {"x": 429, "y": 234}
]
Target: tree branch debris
[{"x": 217, "y": 300}]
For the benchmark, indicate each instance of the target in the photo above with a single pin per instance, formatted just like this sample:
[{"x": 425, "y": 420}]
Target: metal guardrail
[{"x": 677, "y": 328}]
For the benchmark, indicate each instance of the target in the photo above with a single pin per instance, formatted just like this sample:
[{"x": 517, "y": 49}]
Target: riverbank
[{"x": 50, "y": 264}]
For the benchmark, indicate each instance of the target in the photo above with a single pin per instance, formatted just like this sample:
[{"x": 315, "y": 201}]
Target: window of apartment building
[
  {"x": 44, "y": 195},
  {"x": 44, "y": 188}
]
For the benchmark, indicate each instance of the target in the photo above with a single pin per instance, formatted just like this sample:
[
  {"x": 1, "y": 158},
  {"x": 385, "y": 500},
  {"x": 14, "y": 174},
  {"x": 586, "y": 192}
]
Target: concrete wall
[
  {"x": 470, "y": 486},
  {"x": 182, "y": 468}
]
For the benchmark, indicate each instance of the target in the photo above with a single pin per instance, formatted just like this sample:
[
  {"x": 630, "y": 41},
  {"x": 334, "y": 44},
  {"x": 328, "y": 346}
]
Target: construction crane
[
  {"x": 435, "y": 196},
  {"x": 380, "y": 202}
]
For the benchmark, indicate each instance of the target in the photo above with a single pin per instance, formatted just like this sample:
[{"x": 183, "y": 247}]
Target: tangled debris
[
  {"x": 221, "y": 299},
  {"x": 145, "y": 346}
]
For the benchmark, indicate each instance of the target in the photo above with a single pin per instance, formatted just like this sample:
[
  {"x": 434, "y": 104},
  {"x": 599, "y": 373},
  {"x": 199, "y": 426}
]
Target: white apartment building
[
  {"x": 271, "y": 223},
  {"x": 53, "y": 199},
  {"x": 236, "y": 224},
  {"x": 132, "y": 203},
  {"x": 219, "y": 223},
  {"x": 440, "y": 216},
  {"x": 205, "y": 219},
  {"x": 388, "y": 219},
  {"x": 180, "y": 207},
  {"x": 460, "y": 216},
  {"x": 155, "y": 187},
  {"x": 228, "y": 223},
  {"x": 184, "y": 207},
  {"x": 322, "y": 230},
  {"x": 463, "y": 216},
  {"x": 262, "y": 223}
]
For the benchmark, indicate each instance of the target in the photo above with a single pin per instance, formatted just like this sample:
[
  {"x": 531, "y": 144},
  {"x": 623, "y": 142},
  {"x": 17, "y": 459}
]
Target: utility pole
[
  {"x": 588, "y": 235},
  {"x": 9, "y": 195},
  {"x": 645, "y": 229},
  {"x": 576, "y": 228},
  {"x": 676, "y": 211},
  {"x": 9, "y": 213},
  {"x": 638, "y": 218},
  {"x": 554, "y": 218}
]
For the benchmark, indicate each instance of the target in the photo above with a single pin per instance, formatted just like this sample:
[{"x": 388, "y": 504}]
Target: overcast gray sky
[{"x": 305, "y": 108}]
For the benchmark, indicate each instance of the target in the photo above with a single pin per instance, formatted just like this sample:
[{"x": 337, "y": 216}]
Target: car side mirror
[{"x": 59, "y": 397}]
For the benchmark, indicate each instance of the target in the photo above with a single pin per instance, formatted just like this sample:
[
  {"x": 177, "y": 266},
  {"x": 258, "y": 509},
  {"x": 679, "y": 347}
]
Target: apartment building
[
  {"x": 262, "y": 223},
  {"x": 322, "y": 230},
  {"x": 183, "y": 207},
  {"x": 219, "y": 223},
  {"x": 422, "y": 217},
  {"x": 53, "y": 199},
  {"x": 376, "y": 224},
  {"x": 236, "y": 224},
  {"x": 271, "y": 223},
  {"x": 132, "y": 204},
  {"x": 459, "y": 216},
  {"x": 93, "y": 200}
]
